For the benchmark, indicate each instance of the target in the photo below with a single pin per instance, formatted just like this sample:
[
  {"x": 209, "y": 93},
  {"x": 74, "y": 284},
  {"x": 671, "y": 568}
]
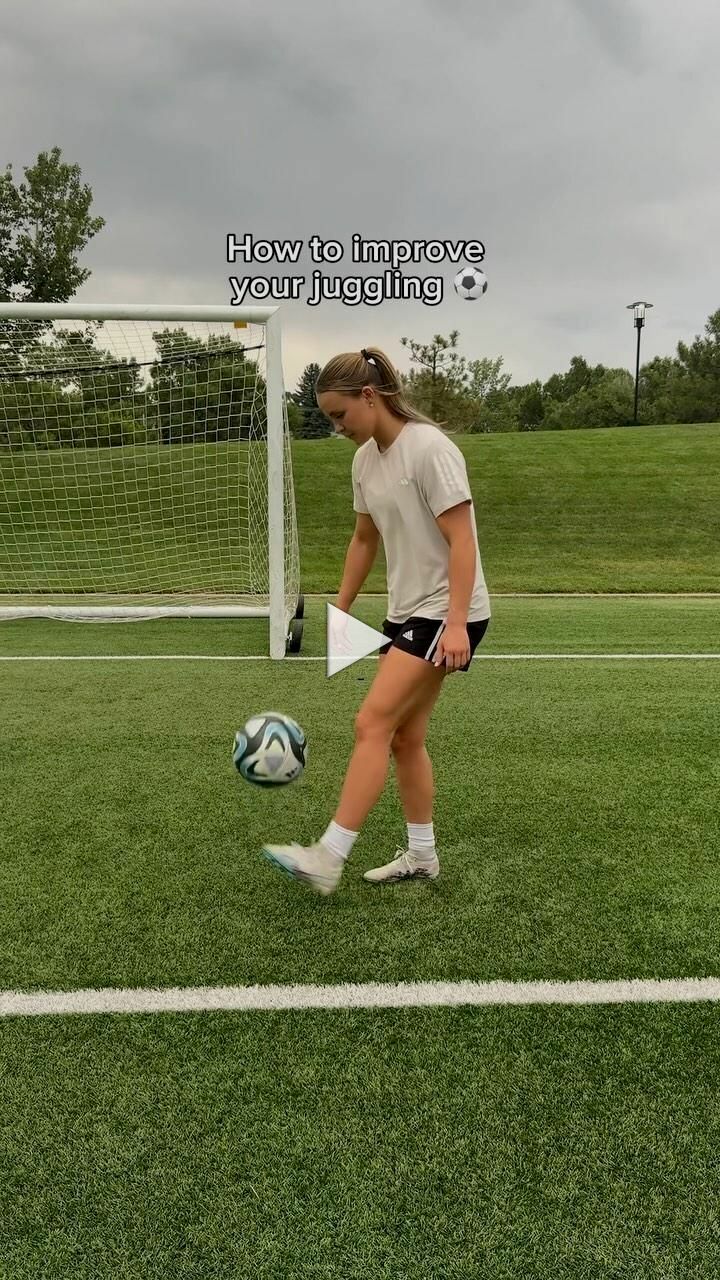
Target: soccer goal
[{"x": 145, "y": 466}]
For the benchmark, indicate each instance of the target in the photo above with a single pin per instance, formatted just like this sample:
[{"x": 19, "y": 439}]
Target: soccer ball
[
  {"x": 271, "y": 749},
  {"x": 470, "y": 283}
]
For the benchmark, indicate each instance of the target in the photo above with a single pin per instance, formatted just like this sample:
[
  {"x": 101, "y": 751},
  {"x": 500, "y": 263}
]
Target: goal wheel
[
  {"x": 300, "y": 608},
  {"x": 295, "y": 636}
]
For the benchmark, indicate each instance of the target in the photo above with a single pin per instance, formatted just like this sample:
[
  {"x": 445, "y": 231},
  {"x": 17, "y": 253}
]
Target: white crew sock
[
  {"x": 339, "y": 840},
  {"x": 421, "y": 841}
]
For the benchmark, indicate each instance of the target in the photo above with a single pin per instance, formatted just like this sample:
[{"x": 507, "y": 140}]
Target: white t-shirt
[{"x": 422, "y": 474}]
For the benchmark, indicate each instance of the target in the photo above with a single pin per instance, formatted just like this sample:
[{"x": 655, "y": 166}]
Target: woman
[{"x": 410, "y": 487}]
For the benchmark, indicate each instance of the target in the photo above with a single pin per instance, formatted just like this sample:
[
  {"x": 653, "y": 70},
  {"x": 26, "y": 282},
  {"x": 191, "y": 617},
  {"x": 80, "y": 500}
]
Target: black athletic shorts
[{"x": 421, "y": 635}]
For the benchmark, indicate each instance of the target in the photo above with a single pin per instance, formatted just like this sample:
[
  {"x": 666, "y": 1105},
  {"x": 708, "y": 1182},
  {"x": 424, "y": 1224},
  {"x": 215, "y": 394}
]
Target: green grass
[
  {"x": 577, "y": 823},
  {"x": 578, "y": 829},
  {"x": 513, "y": 1143},
  {"x": 131, "y": 849},
  {"x": 604, "y": 510}
]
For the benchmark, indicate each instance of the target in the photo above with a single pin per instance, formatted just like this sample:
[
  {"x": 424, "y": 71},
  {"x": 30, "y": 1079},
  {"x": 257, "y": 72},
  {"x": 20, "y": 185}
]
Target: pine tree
[{"x": 315, "y": 425}]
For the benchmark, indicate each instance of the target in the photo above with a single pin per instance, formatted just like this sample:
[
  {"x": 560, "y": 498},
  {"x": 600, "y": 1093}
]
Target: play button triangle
[{"x": 348, "y": 639}]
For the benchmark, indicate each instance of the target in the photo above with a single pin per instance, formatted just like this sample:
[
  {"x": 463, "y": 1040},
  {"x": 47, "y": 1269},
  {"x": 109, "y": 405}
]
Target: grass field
[
  {"x": 578, "y": 831},
  {"x": 610, "y": 510}
]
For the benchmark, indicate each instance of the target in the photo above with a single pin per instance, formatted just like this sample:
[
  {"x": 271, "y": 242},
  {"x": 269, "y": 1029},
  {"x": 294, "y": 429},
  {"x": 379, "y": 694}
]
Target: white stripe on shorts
[{"x": 434, "y": 644}]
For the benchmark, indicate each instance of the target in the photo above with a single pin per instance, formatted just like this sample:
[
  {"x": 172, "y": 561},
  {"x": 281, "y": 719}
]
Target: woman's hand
[{"x": 453, "y": 648}]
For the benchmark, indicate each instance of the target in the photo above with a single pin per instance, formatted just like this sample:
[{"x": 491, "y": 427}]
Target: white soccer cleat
[
  {"x": 314, "y": 865},
  {"x": 404, "y": 867}
]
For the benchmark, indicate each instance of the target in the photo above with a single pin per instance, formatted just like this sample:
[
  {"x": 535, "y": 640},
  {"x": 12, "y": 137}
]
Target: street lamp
[{"x": 639, "y": 310}]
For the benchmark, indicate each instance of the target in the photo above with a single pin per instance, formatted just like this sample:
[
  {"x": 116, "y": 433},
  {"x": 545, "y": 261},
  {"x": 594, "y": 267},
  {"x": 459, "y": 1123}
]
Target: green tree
[
  {"x": 313, "y": 425},
  {"x": 659, "y": 392},
  {"x": 491, "y": 408},
  {"x": 206, "y": 391},
  {"x": 45, "y": 222},
  {"x": 605, "y": 402},
  {"x": 703, "y": 356},
  {"x": 484, "y": 378},
  {"x": 498, "y": 412},
  {"x": 70, "y": 392},
  {"x": 467, "y": 396},
  {"x": 440, "y": 375},
  {"x": 453, "y": 411},
  {"x": 684, "y": 387},
  {"x": 295, "y": 415},
  {"x": 529, "y": 405},
  {"x": 579, "y": 377},
  {"x": 696, "y": 392}
]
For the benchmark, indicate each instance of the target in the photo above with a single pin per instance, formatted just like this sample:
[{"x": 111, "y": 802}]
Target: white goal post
[{"x": 145, "y": 465}]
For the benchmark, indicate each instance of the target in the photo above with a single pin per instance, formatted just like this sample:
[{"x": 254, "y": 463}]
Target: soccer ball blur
[
  {"x": 470, "y": 283},
  {"x": 271, "y": 749}
]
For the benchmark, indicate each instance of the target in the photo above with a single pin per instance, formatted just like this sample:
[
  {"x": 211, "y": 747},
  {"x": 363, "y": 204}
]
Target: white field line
[
  {"x": 367, "y": 995},
  {"x": 263, "y": 657}
]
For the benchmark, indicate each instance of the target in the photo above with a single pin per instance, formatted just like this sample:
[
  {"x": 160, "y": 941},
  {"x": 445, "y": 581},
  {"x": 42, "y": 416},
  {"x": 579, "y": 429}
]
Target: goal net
[{"x": 145, "y": 466}]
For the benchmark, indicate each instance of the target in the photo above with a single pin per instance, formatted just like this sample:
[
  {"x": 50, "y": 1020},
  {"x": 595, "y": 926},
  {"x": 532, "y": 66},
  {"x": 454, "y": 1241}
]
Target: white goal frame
[{"x": 281, "y": 607}]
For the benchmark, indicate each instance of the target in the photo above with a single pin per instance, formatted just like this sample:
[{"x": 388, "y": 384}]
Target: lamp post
[{"x": 639, "y": 310}]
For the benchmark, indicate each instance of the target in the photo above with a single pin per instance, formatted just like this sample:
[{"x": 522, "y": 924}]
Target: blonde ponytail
[{"x": 349, "y": 373}]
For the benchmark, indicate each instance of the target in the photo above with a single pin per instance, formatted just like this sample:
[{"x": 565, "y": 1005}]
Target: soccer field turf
[{"x": 577, "y": 826}]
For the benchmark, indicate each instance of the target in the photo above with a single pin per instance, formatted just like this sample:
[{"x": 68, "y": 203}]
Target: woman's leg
[
  {"x": 416, "y": 784},
  {"x": 405, "y": 687}
]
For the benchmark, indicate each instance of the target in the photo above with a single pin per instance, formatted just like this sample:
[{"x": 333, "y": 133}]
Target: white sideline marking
[
  {"x": 366, "y": 995},
  {"x": 263, "y": 657}
]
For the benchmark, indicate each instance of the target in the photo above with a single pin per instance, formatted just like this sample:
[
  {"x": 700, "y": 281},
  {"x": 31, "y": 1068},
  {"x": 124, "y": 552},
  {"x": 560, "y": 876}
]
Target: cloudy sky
[{"x": 577, "y": 139}]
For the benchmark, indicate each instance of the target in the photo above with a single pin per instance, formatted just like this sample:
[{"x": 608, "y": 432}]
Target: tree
[
  {"x": 69, "y": 391},
  {"x": 295, "y": 416},
  {"x": 313, "y": 424},
  {"x": 44, "y": 224},
  {"x": 658, "y": 389},
  {"x": 486, "y": 388},
  {"x": 579, "y": 377},
  {"x": 484, "y": 379},
  {"x": 703, "y": 357},
  {"x": 498, "y": 412},
  {"x": 696, "y": 393},
  {"x": 442, "y": 366},
  {"x": 205, "y": 391},
  {"x": 469, "y": 396},
  {"x": 529, "y": 405},
  {"x": 685, "y": 387},
  {"x": 605, "y": 402}
]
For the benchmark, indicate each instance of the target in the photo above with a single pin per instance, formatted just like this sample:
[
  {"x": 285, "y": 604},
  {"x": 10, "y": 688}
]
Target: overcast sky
[{"x": 577, "y": 139}]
